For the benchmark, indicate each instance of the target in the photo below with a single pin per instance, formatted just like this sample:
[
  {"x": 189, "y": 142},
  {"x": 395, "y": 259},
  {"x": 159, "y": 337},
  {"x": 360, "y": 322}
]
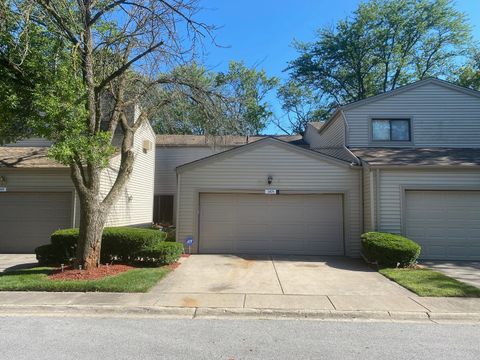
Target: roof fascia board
[
  {"x": 316, "y": 154},
  {"x": 408, "y": 87},
  {"x": 443, "y": 167},
  {"x": 4, "y": 169}
]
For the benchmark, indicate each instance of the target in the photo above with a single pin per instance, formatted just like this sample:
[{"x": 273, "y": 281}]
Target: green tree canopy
[
  {"x": 72, "y": 72},
  {"x": 469, "y": 74},
  {"x": 38, "y": 88},
  {"x": 382, "y": 45},
  {"x": 239, "y": 107}
]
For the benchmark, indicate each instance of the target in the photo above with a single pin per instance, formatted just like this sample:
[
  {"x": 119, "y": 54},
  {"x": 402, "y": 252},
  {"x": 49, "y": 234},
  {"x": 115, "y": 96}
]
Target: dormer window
[{"x": 391, "y": 130}]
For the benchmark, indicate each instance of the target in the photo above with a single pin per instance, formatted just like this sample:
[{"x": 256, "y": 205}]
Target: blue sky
[{"x": 261, "y": 32}]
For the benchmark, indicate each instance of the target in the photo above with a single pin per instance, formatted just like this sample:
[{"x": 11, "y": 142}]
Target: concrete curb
[
  {"x": 87, "y": 310},
  {"x": 234, "y": 313}
]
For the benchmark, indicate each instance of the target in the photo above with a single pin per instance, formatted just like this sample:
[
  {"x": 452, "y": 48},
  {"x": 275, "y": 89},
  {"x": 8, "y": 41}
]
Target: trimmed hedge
[
  {"x": 50, "y": 254},
  {"x": 122, "y": 244},
  {"x": 162, "y": 253},
  {"x": 389, "y": 249}
]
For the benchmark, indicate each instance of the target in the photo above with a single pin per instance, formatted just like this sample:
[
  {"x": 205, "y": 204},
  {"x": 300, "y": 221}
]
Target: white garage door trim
[
  {"x": 61, "y": 192},
  {"x": 341, "y": 209},
  {"x": 448, "y": 191}
]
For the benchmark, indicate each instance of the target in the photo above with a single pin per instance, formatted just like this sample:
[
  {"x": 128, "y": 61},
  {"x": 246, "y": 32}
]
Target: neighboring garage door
[
  {"x": 28, "y": 218},
  {"x": 271, "y": 224},
  {"x": 445, "y": 223}
]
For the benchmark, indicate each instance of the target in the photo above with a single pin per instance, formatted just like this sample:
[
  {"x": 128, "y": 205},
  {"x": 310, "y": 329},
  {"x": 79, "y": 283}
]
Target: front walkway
[
  {"x": 16, "y": 261},
  {"x": 465, "y": 271}
]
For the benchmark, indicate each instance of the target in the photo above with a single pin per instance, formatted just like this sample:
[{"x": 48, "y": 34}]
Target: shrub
[
  {"x": 65, "y": 242},
  {"x": 118, "y": 243},
  {"x": 123, "y": 243},
  {"x": 171, "y": 236},
  {"x": 389, "y": 249},
  {"x": 50, "y": 254},
  {"x": 161, "y": 253}
]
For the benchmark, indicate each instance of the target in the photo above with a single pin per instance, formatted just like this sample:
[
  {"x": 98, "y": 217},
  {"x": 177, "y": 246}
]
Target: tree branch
[
  {"x": 126, "y": 66},
  {"x": 46, "y": 5}
]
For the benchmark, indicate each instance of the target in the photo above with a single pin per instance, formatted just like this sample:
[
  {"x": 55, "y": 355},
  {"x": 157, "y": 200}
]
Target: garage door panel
[
  {"x": 27, "y": 219},
  {"x": 279, "y": 224},
  {"x": 445, "y": 223}
]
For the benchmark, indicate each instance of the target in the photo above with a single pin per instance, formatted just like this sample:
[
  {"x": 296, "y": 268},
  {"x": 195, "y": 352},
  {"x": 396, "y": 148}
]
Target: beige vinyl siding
[
  {"x": 440, "y": 117},
  {"x": 293, "y": 171},
  {"x": 31, "y": 142},
  {"x": 311, "y": 134},
  {"x": 140, "y": 186},
  {"x": 135, "y": 205},
  {"x": 367, "y": 199},
  {"x": 333, "y": 134},
  {"x": 168, "y": 158},
  {"x": 393, "y": 184}
]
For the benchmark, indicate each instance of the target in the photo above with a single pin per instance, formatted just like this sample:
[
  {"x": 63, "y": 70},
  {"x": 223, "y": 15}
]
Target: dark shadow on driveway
[{"x": 337, "y": 262}]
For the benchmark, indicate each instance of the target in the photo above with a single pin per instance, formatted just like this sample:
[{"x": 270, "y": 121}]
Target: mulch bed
[
  {"x": 69, "y": 273},
  {"x": 102, "y": 271}
]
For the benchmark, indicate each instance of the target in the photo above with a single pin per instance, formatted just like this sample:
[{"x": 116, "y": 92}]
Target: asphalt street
[{"x": 32, "y": 337}]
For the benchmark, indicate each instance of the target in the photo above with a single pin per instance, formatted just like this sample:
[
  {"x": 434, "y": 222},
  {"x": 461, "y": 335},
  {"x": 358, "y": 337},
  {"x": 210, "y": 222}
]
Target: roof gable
[
  {"x": 255, "y": 145},
  {"x": 409, "y": 87}
]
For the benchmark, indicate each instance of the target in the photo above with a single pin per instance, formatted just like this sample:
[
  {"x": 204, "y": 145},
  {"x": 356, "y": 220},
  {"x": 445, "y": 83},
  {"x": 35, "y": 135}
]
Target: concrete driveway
[
  {"x": 466, "y": 271},
  {"x": 306, "y": 275},
  {"x": 280, "y": 282},
  {"x": 16, "y": 261}
]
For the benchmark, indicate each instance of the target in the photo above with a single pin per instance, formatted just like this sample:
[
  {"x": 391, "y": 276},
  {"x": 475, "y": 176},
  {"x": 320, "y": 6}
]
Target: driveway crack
[
  {"x": 276, "y": 273},
  {"x": 331, "y": 302}
]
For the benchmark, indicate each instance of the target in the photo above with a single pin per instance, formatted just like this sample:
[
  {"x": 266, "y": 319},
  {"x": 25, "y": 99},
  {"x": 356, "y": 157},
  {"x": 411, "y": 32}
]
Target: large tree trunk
[
  {"x": 94, "y": 210},
  {"x": 92, "y": 222}
]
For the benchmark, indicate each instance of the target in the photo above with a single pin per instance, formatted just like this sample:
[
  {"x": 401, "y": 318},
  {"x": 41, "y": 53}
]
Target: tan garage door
[
  {"x": 445, "y": 223},
  {"x": 271, "y": 224},
  {"x": 27, "y": 219}
]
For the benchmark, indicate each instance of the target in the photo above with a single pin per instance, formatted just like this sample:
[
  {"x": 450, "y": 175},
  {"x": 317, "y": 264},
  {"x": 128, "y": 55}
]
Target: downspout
[
  {"x": 377, "y": 199},
  {"x": 345, "y": 143},
  {"x": 346, "y": 127},
  {"x": 177, "y": 198},
  {"x": 372, "y": 200},
  {"x": 74, "y": 210}
]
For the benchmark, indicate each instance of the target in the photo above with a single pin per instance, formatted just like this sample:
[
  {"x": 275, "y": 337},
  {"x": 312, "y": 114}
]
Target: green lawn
[
  {"x": 426, "y": 282},
  {"x": 36, "y": 279}
]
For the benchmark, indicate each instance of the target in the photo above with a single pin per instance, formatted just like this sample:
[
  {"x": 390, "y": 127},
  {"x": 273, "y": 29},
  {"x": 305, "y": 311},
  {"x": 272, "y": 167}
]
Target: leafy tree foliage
[
  {"x": 469, "y": 74},
  {"x": 382, "y": 45},
  {"x": 240, "y": 106},
  {"x": 38, "y": 90},
  {"x": 301, "y": 104},
  {"x": 72, "y": 71}
]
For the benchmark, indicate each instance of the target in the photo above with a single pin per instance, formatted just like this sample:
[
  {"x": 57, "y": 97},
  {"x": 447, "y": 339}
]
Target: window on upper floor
[{"x": 391, "y": 130}]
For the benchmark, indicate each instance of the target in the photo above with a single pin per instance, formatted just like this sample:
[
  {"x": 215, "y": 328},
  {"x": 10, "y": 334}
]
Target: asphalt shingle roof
[
  {"x": 228, "y": 140},
  {"x": 26, "y": 157},
  {"x": 419, "y": 156}
]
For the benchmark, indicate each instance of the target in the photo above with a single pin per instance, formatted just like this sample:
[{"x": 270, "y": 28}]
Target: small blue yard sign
[{"x": 189, "y": 241}]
